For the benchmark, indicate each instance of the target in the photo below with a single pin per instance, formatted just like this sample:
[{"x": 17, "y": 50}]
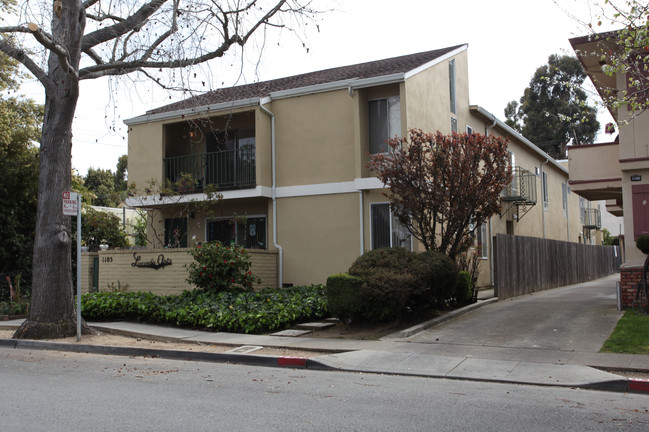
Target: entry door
[{"x": 640, "y": 209}]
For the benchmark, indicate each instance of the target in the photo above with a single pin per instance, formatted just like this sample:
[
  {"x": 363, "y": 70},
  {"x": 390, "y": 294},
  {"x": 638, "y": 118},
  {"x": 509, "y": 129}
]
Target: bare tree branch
[
  {"x": 22, "y": 56},
  {"x": 133, "y": 22}
]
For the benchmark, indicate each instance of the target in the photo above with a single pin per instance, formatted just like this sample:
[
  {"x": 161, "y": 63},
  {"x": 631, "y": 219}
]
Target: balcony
[
  {"x": 227, "y": 170},
  {"x": 595, "y": 172},
  {"x": 520, "y": 194},
  {"x": 522, "y": 188},
  {"x": 592, "y": 218}
]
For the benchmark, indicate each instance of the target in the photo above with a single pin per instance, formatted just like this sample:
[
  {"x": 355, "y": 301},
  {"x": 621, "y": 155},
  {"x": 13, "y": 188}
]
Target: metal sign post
[
  {"x": 78, "y": 267},
  {"x": 72, "y": 207}
]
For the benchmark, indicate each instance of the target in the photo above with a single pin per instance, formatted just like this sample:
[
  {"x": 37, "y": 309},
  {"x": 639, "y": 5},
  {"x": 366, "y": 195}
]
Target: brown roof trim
[
  {"x": 613, "y": 179},
  {"x": 634, "y": 160},
  {"x": 585, "y": 146},
  {"x": 608, "y": 36}
]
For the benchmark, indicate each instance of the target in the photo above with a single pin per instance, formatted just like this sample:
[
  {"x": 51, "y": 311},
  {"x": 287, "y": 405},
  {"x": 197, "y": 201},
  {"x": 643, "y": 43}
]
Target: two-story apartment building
[
  {"x": 618, "y": 171},
  {"x": 289, "y": 157}
]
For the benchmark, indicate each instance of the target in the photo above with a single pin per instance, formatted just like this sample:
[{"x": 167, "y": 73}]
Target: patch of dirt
[
  {"x": 359, "y": 331},
  {"x": 125, "y": 341}
]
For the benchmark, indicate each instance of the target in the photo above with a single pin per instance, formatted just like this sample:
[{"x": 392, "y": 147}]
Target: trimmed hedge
[
  {"x": 397, "y": 283},
  {"x": 464, "y": 289},
  {"x": 344, "y": 299},
  {"x": 240, "y": 312}
]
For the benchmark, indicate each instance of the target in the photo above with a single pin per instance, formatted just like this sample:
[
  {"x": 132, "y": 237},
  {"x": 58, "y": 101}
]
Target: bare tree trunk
[{"x": 52, "y": 313}]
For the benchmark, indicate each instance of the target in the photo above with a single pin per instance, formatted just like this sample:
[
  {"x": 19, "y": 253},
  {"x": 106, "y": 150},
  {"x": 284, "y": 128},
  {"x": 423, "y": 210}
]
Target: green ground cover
[{"x": 630, "y": 336}]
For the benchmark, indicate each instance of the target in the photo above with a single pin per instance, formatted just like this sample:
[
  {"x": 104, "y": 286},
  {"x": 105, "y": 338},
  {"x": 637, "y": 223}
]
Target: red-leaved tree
[{"x": 443, "y": 185}]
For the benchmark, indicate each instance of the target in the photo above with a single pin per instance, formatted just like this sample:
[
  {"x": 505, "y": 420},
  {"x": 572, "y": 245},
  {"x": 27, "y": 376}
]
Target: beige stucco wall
[
  {"x": 315, "y": 138},
  {"x": 428, "y": 97},
  {"x": 319, "y": 235},
  {"x": 145, "y": 153},
  {"x": 115, "y": 266}
]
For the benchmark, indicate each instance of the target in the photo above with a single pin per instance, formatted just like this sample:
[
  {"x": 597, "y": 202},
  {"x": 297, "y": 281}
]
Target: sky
[{"x": 507, "y": 41}]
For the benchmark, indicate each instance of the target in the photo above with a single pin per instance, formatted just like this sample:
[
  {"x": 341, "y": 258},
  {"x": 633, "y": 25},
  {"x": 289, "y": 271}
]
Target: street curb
[
  {"x": 230, "y": 358},
  {"x": 620, "y": 385},
  {"x": 439, "y": 320}
]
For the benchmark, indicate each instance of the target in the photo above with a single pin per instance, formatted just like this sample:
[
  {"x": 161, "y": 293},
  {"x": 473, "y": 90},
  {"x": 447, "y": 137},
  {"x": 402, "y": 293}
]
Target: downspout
[
  {"x": 350, "y": 90},
  {"x": 543, "y": 192},
  {"x": 567, "y": 213},
  {"x": 280, "y": 278},
  {"x": 491, "y": 241},
  {"x": 362, "y": 224}
]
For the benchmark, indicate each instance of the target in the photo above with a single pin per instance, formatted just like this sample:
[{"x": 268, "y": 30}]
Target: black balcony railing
[
  {"x": 592, "y": 218},
  {"x": 522, "y": 188},
  {"x": 231, "y": 169}
]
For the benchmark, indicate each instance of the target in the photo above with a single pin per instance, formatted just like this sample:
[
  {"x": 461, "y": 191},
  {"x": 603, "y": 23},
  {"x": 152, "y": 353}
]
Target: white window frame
[
  {"x": 391, "y": 220},
  {"x": 482, "y": 240},
  {"x": 393, "y": 104},
  {"x": 453, "y": 124},
  {"x": 469, "y": 130},
  {"x": 544, "y": 191},
  {"x": 452, "y": 86}
]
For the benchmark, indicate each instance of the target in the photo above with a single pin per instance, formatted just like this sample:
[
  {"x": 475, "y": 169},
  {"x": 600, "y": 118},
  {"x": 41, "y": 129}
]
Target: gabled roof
[
  {"x": 505, "y": 127},
  {"x": 390, "y": 67}
]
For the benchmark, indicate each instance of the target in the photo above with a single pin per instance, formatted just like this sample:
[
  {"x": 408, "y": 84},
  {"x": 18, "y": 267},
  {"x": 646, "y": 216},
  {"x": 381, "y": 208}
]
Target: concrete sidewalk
[{"x": 417, "y": 355}]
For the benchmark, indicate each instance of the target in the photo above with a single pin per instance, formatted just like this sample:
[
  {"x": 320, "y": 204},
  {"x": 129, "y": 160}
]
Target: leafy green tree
[
  {"x": 99, "y": 228},
  {"x": 553, "y": 109},
  {"x": 20, "y": 121},
  {"x": 121, "y": 180},
  {"x": 101, "y": 182}
]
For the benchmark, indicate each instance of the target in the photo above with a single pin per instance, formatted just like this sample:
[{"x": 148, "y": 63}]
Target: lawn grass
[{"x": 631, "y": 335}]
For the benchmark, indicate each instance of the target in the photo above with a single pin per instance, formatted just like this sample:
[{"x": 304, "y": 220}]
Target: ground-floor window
[
  {"x": 249, "y": 232},
  {"x": 386, "y": 229},
  {"x": 482, "y": 240},
  {"x": 176, "y": 232}
]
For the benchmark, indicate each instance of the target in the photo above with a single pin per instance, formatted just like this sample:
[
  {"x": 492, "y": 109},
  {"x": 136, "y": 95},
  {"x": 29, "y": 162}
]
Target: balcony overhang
[
  {"x": 614, "y": 207},
  {"x": 595, "y": 171},
  {"x": 597, "y": 189},
  {"x": 151, "y": 201}
]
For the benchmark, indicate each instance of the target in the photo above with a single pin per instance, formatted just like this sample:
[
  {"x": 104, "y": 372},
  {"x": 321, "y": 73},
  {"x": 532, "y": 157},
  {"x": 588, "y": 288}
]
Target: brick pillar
[{"x": 629, "y": 278}]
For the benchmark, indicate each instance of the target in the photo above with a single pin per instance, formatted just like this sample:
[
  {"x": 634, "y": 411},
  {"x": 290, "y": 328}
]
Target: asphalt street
[{"x": 54, "y": 391}]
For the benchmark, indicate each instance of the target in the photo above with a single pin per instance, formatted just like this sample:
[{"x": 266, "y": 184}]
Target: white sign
[{"x": 70, "y": 207}]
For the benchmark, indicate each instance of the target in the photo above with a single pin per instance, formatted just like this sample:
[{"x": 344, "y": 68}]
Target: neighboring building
[
  {"x": 617, "y": 172},
  {"x": 290, "y": 158}
]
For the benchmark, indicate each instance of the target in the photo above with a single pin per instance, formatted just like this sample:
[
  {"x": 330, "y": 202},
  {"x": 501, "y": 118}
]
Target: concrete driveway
[{"x": 575, "y": 318}]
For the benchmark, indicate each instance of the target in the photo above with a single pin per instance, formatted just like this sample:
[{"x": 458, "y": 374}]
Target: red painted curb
[
  {"x": 637, "y": 384},
  {"x": 291, "y": 361}
]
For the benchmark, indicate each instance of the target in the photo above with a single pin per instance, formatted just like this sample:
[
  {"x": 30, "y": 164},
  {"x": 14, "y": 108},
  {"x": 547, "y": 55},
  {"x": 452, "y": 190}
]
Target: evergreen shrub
[
  {"x": 344, "y": 300},
  {"x": 218, "y": 267}
]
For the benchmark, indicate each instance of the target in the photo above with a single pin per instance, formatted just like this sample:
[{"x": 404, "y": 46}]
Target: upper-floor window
[
  {"x": 451, "y": 84},
  {"x": 384, "y": 121},
  {"x": 469, "y": 130},
  {"x": 564, "y": 196},
  {"x": 453, "y": 124},
  {"x": 544, "y": 186}
]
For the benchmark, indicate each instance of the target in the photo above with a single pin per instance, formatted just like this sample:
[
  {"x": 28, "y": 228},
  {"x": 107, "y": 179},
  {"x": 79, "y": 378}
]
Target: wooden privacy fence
[{"x": 525, "y": 265}]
